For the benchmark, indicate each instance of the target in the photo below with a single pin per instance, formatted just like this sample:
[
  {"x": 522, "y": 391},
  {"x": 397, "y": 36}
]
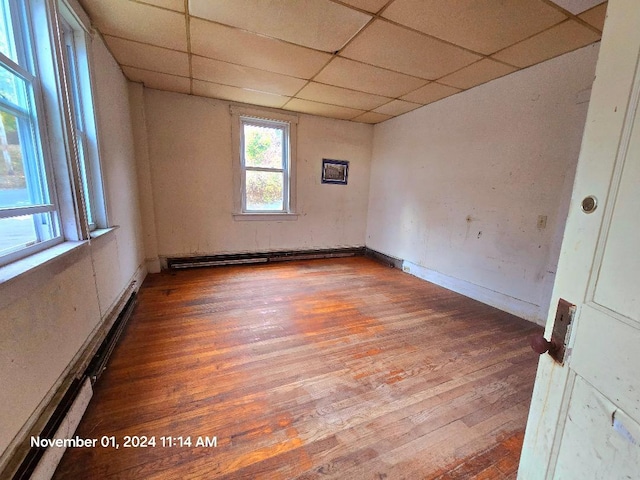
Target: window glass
[
  {"x": 265, "y": 165},
  {"x": 28, "y": 215}
]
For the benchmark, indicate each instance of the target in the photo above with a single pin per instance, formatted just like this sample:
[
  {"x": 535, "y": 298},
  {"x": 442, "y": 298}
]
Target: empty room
[{"x": 307, "y": 239}]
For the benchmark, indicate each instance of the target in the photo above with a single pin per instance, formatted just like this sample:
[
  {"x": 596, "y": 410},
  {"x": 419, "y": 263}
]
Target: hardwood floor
[{"x": 340, "y": 368}]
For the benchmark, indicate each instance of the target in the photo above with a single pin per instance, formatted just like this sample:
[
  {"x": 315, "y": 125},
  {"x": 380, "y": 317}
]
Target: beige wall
[
  {"x": 49, "y": 313},
  {"x": 457, "y": 186},
  {"x": 190, "y": 158}
]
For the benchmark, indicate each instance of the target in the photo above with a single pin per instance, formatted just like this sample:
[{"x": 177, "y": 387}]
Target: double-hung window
[
  {"x": 75, "y": 57},
  {"x": 28, "y": 211},
  {"x": 265, "y": 163}
]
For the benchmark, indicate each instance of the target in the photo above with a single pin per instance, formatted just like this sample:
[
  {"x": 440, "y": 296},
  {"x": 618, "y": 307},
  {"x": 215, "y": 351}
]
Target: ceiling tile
[
  {"x": 160, "y": 81},
  {"x": 177, "y": 5},
  {"x": 560, "y": 39},
  {"x": 322, "y": 109},
  {"x": 319, "y": 92},
  {"x": 372, "y": 117},
  {"x": 484, "y": 26},
  {"x": 577, "y": 6},
  {"x": 396, "y": 48},
  {"x": 477, "y": 73},
  {"x": 244, "y": 48},
  {"x": 397, "y": 107},
  {"x": 319, "y": 24},
  {"x": 140, "y": 22},
  {"x": 367, "y": 78},
  {"x": 148, "y": 57},
  {"x": 244, "y": 77},
  {"x": 596, "y": 16},
  {"x": 430, "y": 93},
  {"x": 235, "y": 94},
  {"x": 372, "y": 6}
]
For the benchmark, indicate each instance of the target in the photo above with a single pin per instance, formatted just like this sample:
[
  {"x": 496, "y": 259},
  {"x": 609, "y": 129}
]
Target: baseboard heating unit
[{"x": 264, "y": 257}]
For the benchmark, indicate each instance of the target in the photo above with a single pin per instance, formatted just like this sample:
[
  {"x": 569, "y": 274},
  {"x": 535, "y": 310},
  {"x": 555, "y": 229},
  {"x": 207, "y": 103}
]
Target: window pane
[
  {"x": 7, "y": 45},
  {"x": 13, "y": 88},
  {"x": 263, "y": 146},
  {"x": 24, "y": 231},
  {"x": 85, "y": 176},
  {"x": 21, "y": 176},
  {"x": 264, "y": 191}
]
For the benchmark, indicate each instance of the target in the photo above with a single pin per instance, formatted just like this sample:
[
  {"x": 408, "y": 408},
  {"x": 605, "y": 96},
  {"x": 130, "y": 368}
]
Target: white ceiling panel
[
  {"x": 319, "y": 92},
  {"x": 360, "y": 60},
  {"x": 386, "y": 45},
  {"x": 372, "y": 117},
  {"x": 319, "y": 24},
  {"x": 138, "y": 21},
  {"x": 367, "y": 78},
  {"x": 577, "y": 6},
  {"x": 322, "y": 109},
  {"x": 397, "y": 107},
  {"x": 560, "y": 39},
  {"x": 244, "y": 48},
  {"x": 148, "y": 57},
  {"x": 484, "y": 26},
  {"x": 477, "y": 73},
  {"x": 430, "y": 93},
  {"x": 159, "y": 81},
  {"x": 177, "y": 5},
  {"x": 235, "y": 94},
  {"x": 372, "y": 6},
  {"x": 244, "y": 77}
]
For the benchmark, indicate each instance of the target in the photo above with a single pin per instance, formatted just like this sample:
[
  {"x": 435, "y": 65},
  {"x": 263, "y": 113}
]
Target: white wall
[
  {"x": 457, "y": 186},
  {"x": 191, "y": 170},
  {"x": 49, "y": 313}
]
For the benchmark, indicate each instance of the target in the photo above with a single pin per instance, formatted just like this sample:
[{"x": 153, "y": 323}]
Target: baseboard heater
[
  {"x": 93, "y": 371},
  {"x": 264, "y": 257}
]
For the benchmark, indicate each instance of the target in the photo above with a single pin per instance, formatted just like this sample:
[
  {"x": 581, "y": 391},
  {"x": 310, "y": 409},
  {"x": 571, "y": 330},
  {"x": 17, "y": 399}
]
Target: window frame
[
  {"x": 39, "y": 158},
  {"x": 42, "y": 38},
  {"x": 276, "y": 125},
  {"x": 270, "y": 118},
  {"x": 81, "y": 121}
]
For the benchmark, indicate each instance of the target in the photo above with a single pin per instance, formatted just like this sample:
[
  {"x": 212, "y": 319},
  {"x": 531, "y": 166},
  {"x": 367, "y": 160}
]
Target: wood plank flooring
[{"x": 320, "y": 369}]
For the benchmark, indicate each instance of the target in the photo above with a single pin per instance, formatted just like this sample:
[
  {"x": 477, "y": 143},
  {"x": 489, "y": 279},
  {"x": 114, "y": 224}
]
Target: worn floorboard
[{"x": 320, "y": 369}]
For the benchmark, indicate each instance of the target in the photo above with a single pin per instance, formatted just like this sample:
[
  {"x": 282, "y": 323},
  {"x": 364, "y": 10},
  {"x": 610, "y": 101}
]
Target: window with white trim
[
  {"x": 265, "y": 165},
  {"x": 77, "y": 67},
  {"x": 29, "y": 219},
  {"x": 50, "y": 182}
]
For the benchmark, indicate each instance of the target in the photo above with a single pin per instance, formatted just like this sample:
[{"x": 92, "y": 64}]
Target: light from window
[
  {"x": 71, "y": 61},
  {"x": 28, "y": 215},
  {"x": 265, "y": 165}
]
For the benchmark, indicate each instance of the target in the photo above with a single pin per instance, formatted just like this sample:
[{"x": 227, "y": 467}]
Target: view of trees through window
[{"x": 264, "y": 167}]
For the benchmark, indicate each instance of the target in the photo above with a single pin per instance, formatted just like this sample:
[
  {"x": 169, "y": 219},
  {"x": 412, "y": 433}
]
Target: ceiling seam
[
  {"x": 573, "y": 15},
  {"x": 187, "y": 21}
]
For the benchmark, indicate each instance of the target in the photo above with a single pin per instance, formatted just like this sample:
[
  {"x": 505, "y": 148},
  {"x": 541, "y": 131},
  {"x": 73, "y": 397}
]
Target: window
[
  {"x": 82, "y": 123},
  {"x": 50, "y": 184},
  {"x": 28, "y": 211},
  {"x": 265, "y": 166}
]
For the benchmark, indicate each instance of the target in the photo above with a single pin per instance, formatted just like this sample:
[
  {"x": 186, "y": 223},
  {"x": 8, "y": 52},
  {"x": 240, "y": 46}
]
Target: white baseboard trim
[
  {"x": 153, "y": 265},
  {"x": 515, "y": 306},
  {"x": 51, "y": 457}
]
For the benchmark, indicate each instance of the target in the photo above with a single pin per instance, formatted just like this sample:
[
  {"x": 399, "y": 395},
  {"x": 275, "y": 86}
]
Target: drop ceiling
[{"x": 360, "y": 60}]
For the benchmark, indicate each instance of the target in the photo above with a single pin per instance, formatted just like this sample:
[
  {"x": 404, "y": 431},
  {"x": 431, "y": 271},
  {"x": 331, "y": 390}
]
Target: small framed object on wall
[{"x": 335, "y": 171}]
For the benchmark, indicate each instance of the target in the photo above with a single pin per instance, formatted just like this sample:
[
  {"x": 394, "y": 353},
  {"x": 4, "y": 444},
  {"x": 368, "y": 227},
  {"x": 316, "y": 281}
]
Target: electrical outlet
[{"x": 542, "y": 221}]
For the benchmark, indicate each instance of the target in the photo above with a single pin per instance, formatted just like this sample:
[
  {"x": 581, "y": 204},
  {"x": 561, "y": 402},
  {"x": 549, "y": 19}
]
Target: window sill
[
  {"x": 100, "y": 232},
  {"x": 33, "y": 262},
  {"x": 273, "y": 217}
]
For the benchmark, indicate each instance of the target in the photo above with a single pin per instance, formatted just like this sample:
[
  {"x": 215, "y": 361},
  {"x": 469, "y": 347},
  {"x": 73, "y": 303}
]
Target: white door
[{"x": 584, "y": 421}]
